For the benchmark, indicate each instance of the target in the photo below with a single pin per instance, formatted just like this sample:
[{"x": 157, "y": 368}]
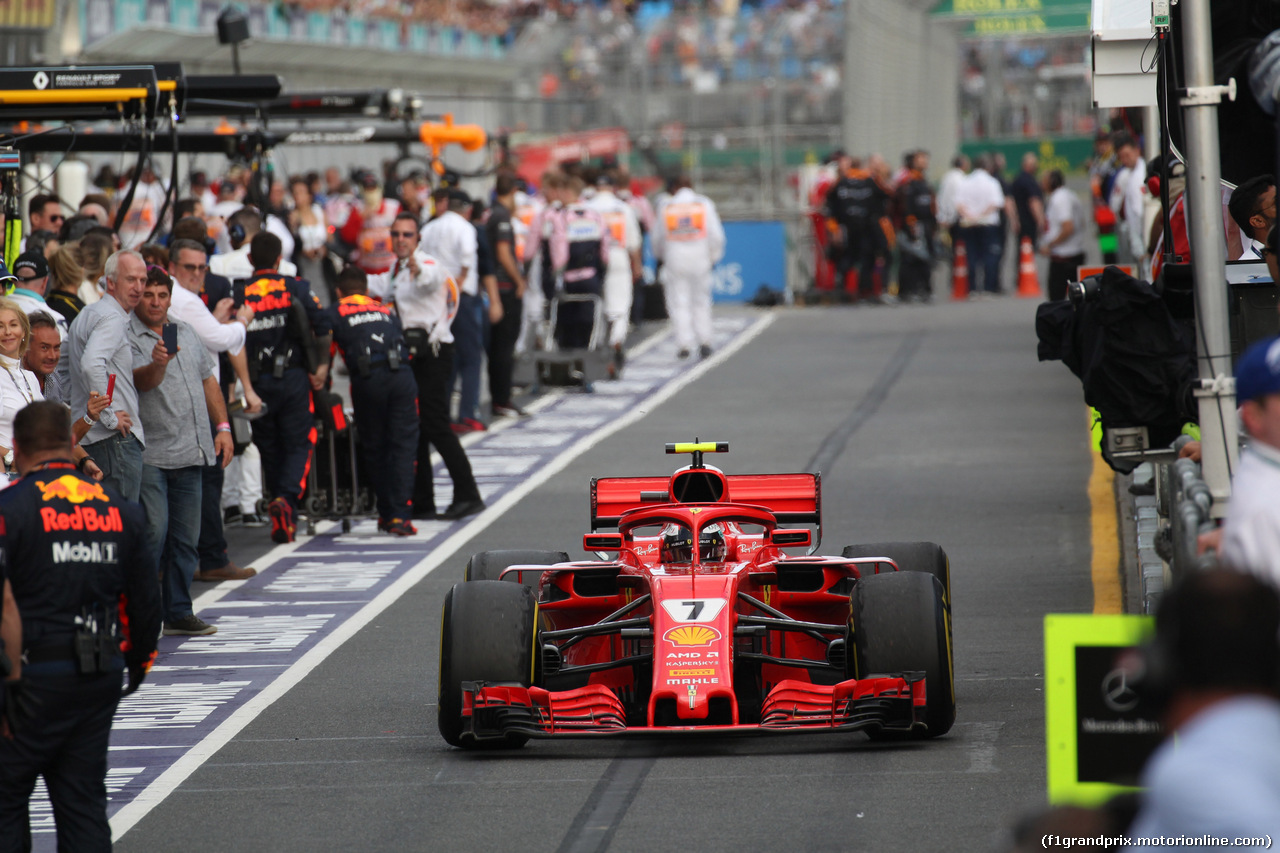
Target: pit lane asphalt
[{"x": 973, "y": 444}]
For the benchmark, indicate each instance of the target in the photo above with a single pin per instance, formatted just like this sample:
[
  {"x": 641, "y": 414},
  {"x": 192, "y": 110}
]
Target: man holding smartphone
[{"x": 178, "y": 395}]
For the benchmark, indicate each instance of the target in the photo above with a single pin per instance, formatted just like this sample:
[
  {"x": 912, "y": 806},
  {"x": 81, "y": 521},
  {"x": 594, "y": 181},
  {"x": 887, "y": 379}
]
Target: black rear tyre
[
  {"x": 899, "y": 624},
  {"x": 488, "y": 565},
  {"x": 488, "y": 633},
  {"x": 910, "y": 557}
]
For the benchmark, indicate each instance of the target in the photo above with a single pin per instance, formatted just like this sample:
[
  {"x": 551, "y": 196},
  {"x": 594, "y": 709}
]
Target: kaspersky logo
[{"x": 73, "y": 489}]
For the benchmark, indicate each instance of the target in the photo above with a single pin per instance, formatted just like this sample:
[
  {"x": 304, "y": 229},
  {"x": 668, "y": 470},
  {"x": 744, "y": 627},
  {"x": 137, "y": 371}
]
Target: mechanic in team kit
[
  {"x": 72, "y": 551},
  {"x": 689, "y": 240},
  {"x": 287, "y": 330},
  {"x": 624, "y": 267},
  {"x": 580, "y": 254},
  {"x": 383, "y": 393},
  {"x": 426, "y": 298}
]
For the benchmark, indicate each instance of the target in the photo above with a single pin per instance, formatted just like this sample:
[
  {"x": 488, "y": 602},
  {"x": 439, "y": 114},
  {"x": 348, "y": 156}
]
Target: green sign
[
  {"x": 1066, "y": 153},
  {"x": 1099, "y": 733},
  {"x": 1048, "y": 23},
  {"x": 996, "y": 18}
]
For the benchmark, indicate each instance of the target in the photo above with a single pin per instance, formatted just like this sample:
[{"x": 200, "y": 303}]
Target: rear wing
[{"x": 792, "y": 498}]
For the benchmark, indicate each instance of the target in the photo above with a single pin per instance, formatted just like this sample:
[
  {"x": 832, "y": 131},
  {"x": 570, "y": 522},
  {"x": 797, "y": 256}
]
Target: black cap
[
  {"x": 34, "y": 261},
  {"x": 458, "y": 198}
]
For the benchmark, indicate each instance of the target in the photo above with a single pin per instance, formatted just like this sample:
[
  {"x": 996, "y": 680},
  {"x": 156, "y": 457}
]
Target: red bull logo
[
  {"x": 73, "y": 489},
  {"x": 83, "y": 518},
  {"x": 271, "y": 303},
  {"x": 264, "y": 287},
  {"x": 359, "y": 305}
]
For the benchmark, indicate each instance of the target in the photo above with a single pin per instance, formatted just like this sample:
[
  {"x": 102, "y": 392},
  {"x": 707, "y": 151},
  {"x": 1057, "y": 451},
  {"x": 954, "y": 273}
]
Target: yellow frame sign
[{"x": 1063, "y": 634}]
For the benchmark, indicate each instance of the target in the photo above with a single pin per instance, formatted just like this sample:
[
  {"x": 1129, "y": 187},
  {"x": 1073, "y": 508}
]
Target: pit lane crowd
[{"x": 196, "y": 358}]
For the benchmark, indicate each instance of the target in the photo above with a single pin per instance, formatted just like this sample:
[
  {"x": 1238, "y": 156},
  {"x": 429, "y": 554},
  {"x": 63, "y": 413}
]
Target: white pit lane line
[{"x": 131, "y": 813}]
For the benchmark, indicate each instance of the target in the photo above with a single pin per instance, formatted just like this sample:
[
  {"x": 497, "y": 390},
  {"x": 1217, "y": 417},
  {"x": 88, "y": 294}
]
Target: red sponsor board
[{"x": 535, "y": 158}]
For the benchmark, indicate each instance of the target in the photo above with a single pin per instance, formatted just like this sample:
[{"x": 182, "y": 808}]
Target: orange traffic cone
[
  {"x": 960, "y": 273},
  {"x": 1028, "y": 281}
]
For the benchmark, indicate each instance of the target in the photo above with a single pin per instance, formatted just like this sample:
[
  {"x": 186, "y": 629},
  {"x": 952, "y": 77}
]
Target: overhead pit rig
[{"x": 143, "y": 109}]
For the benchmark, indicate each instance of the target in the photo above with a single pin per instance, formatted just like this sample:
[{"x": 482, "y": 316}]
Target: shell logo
[{"x": 692, "y": 635}]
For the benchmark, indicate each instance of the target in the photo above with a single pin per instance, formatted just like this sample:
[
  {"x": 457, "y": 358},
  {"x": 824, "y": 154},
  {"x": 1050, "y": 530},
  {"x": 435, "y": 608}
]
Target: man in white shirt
[
  {"x": 242, "y": 226},
  {"x": 1251, "y": 529},
  {"x": 450, "y": 238},
  {"x": 1064, "y": 234},
  {"x": 141, "y": 218},
  {"x": 1253, "y": 207},
  {"x": 948, "y": 217},
  {"x": 426, "y": 299},
  {"x": 979, "y": 199},
  {"x": 1128, "y": 196}
]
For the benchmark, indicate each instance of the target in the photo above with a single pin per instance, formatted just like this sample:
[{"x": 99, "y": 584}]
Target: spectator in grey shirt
[
  {"x": 98, "y": 346},
  {"x": 178, "y": 393}
]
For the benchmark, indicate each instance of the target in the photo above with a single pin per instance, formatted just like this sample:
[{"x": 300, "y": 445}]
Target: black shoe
[
  {"x": 252, "y": 519},
  {"x": 461, "y": 509},
  {"x": 510, "y": 410},
  {"x": 188, "y": 626},
  {"x": 424, "y": 514},
  {"x": 704, "y": 351},
  {"x": 231, "y": 517}
]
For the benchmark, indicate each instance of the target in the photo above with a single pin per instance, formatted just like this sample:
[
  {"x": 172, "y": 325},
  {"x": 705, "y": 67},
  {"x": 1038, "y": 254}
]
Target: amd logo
[{"x": 81, "y": 552}]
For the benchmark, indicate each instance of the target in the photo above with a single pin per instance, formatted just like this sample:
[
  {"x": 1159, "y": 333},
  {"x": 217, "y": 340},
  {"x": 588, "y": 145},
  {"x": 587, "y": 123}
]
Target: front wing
[{"x": 888, "y": 703}]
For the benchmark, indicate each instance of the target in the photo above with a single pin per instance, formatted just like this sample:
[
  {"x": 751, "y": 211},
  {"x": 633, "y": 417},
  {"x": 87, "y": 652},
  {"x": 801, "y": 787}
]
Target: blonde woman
[
  {"x": 65, "y": 275},
  {"x": 94, "y": 251},
  {"x": 18, "y": 387}
]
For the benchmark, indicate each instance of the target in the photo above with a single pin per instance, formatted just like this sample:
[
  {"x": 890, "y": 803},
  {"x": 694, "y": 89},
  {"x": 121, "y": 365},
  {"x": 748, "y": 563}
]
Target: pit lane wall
[{"x": 1162, "y": 507}]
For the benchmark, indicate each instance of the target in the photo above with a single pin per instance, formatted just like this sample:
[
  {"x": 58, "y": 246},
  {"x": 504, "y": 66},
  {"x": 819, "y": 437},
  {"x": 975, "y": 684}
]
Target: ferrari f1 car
[{"x": 695, "y": 621}]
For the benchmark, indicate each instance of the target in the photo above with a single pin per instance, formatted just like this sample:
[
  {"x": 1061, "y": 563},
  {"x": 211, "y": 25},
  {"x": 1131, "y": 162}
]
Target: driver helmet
[
  {"x": 711, "y": 544},
  {"x": 677, "y": 544}
]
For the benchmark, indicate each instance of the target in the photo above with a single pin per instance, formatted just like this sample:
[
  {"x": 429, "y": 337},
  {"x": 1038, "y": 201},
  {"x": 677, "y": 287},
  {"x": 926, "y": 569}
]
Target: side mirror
[
  {"x": 602, "y": 542},
  {"x": 790, "y": 538}
]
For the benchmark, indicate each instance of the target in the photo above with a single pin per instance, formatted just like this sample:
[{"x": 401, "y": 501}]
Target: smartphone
[
  {"x": 111, "y": 386},
  {"x": 169, "y": 334}
]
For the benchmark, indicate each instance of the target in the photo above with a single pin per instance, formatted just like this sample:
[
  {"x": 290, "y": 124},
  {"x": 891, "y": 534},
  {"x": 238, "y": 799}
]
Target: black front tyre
[
  {"x": 488, "y": 633},
  {"x": 488, "y": 565},
  {"x": 899, "y": 623}
]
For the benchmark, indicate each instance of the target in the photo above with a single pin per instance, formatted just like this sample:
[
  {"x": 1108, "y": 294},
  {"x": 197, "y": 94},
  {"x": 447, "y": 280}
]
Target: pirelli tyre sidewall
[
  {"x": 488, "y": 632},
  {"x": 488, "y": 565},
  {"x": 911, "y": 557},
  {"x": 899, "y": 623}
]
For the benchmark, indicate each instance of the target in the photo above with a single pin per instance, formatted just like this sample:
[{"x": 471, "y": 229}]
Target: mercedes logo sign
[
  {"x": 41, "y": 80},
  {"x": 1116, "y": 692}
]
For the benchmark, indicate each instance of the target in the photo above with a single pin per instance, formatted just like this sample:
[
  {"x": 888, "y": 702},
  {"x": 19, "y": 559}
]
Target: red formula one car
[{"x": 700, "y": 623}]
